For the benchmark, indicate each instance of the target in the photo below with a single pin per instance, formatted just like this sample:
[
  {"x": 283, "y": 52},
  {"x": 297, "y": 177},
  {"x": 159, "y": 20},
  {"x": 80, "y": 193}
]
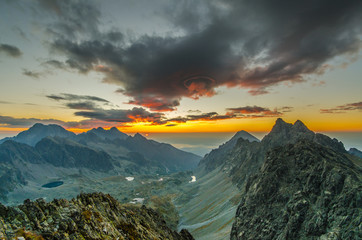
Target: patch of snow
[
  {"x": 137, "y": 200},
  {"x": 193, "y": 179},
  {"x": 129, "y": 179}
]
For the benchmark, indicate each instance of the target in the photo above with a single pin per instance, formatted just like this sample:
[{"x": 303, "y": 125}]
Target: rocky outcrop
[
  {"x": 302, "y": 191},
  {"x": 89, "y": 216},
  {"x": 287, "y": 133}
]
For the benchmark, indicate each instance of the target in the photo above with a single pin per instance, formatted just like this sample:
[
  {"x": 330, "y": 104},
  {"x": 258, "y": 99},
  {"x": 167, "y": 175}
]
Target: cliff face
[
  {"x": 89, "y": 216},
  {"x": 302, "y": 191}
]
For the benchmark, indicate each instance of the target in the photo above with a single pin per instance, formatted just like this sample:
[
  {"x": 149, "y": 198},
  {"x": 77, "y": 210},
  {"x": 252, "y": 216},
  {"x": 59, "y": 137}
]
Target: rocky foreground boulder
[
  {"x": 89, "y": 216},
  {"x": 302, "y": 191}
]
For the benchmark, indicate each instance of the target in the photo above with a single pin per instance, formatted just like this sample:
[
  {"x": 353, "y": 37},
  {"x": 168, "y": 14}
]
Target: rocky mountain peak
[
  {"x": 112, "y": 133},
  {"x": 138, "y": 136},
  {"x": 37, "y": 125},
  {"x": 280, "y": 126},
  {"x": 245, "y": 135},
  {"x": 114, "y": 129},
  {"x": 39, "y": 131},
  {"x": 300, "y": 127},
  {"x": 302, "y": 191}
]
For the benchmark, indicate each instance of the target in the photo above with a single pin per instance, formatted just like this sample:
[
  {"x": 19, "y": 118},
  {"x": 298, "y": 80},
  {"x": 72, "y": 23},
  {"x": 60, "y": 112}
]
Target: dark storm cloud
[
  {"x": 250, "y": 44},
  {"x": 74, "y": 97},
  {"x": 343, "y": 108},
  {"x": 123, "y": 116},
  {"x": 10, "y": 50},
  {"x": 74, "y": 17}
]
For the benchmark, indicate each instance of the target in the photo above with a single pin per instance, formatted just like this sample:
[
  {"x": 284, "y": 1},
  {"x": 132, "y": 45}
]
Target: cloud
[
  {"x": 344, "y": 108},
  {"x": 55, "y": 64},
  {"x": 123, "y": 116},
  {"x": 233, "y": 113},
  {"x": 7, "y": 121},
  {"x": 249, "y": 44},
  {"x": 81, "y": 105},
  {"x": 10, "y": 50},
  {"x": 5, "y": 102},
  {"x": 32, "y": 74},
  {"x": 74, "y": 97},
  {"x": 194, "y": 111},
  {"x": 156, "y": 104},
  {"x": 285, "y": 109},
  {"x": 253, "y": 112}
]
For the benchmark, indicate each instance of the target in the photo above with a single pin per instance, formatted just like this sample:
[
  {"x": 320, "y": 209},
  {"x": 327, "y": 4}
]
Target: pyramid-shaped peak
[
  {"x": 245, "y": 135},
  {"x": 280, "y": 124},
  {"x": 114, "y": 129},
  {"x": 37, "y": 125},
  {"x": 280, "y": 121},
  {"x": 139, "y": 136},
  {"x": 300, "y": 126}
]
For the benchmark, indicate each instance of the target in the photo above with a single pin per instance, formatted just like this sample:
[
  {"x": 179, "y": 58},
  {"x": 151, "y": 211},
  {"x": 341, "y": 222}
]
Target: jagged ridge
[
  {"x": 303, "y": 191},
  {"x": 89, "y": 216}
]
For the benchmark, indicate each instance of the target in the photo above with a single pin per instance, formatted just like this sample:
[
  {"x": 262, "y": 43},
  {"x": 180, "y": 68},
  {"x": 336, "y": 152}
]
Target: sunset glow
[{"x": 167, "y": 78}]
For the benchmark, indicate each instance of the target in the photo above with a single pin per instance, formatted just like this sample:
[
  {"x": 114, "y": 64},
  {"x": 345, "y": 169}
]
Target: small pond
[{"x": 53, "y": 184}]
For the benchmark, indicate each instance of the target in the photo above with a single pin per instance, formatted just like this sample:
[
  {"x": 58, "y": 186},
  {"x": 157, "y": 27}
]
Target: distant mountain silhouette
[
  {"x": 217, "y": 156},
  {"x": 170, "y": 157},
  {"x": 355, "y": 152},
  {"x": 39, "y": 131},
  {"x": 45, "y": 151},
  {"x": 110, "y": 134}
]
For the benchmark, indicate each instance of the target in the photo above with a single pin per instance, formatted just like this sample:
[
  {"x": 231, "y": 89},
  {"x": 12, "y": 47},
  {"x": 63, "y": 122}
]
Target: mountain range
[
  {"x": 293, "y": 184},
  {"x": 50, "y": 150}
]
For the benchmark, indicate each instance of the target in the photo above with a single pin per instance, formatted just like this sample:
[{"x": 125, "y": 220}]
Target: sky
[{"x": 167, "y": 66}]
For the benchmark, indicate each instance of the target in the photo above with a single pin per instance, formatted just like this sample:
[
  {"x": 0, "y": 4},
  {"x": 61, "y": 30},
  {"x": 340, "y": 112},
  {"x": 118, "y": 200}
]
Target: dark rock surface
[
  {"x": 89, "y": 216},
  {"x": 302, "y": 191}
]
